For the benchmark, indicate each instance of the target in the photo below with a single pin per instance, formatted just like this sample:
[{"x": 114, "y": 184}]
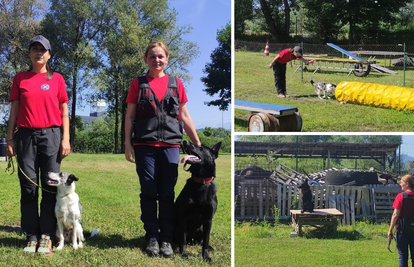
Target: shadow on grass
[
  {"x": 241, "y": 122},
  {"x": 11, "y": 241},
  {"x": 100, "y": 240},
  {"x": 327, "y": 233},
  {"x": 115, "y": 241}
]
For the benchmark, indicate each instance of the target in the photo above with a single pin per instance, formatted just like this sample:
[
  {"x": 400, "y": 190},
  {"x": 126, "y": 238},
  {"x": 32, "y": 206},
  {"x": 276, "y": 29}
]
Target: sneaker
[
  {"x": 166, "y": 250},
  {"x": 45, "y": 246},
  {"x": 152, "y": 247},
  {"x": 281, "y": 96},
  {"x": 31, "y": 247}
]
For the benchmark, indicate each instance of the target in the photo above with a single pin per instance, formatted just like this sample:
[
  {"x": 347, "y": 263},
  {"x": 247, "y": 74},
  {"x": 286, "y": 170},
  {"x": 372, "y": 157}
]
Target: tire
[
  {"x": 346, "y": 176},
  {"x": 359, "y": 70}
]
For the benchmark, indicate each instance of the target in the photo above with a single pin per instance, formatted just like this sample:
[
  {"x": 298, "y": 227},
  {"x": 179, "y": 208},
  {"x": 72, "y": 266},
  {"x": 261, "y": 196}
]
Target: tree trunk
[
  {"x": 72, "y": 126},
  {"x": 287, "y": 17},
  {"x": 116, "y": 119},
  {"x": 269, "y": 19}
]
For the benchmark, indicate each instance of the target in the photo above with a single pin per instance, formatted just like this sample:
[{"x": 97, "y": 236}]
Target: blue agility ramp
[
  {"x": 277, "y": 110},
  {"x": 345, "y": 52},
  {"x": 376, "y": 67},
  {"x": 269, "y": 117}
]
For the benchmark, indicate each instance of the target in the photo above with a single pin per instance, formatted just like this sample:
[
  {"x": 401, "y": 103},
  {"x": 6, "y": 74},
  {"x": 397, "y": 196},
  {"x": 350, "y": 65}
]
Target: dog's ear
[
  {"x": 216, "y": 148},
  {"x": 73, "y": 178}
]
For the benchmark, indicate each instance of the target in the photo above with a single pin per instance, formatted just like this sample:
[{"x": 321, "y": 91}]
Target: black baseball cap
[
  {"x": 298, "y": 50},
  {"x": 42, "y": 40}
]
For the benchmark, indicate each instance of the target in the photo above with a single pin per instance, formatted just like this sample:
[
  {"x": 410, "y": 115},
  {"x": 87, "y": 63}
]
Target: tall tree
[
  {"x": 324, "y": 18},
  {"x": 277, "y": 16},
  {"x": 137, "y": 23},
  {"x": 19, "y": 22},
  {"x": 73, "y": 27},
  {"x": 243, "y": 11},
  {"x": 218, "y": 79}
]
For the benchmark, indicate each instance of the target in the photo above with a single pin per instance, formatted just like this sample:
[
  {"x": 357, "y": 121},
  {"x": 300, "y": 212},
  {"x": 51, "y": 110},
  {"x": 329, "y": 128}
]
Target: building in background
[{"x": 98, "y": 110}]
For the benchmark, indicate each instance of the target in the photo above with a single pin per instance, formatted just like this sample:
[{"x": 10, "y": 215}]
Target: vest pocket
[
  {"x": 172, "y": 106},
  {"x": 146, "y": 130}
]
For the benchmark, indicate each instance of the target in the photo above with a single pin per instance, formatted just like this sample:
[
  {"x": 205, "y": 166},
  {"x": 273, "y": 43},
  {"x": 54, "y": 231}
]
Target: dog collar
[
  {"x": 202, "y": 180},
  {"x": 305, "y": 190}
]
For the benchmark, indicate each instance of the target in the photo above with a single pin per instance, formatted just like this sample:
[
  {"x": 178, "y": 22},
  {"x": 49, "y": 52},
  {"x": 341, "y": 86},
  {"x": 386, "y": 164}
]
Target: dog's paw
[
  {"x": 60, "y": 247},
  {"x": 75, "y": 246}
]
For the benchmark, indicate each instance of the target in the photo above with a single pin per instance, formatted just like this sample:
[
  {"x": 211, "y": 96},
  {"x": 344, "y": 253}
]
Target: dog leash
[
  {"x": 392, "y": 237},
  {"x": 11, "y": 165}
]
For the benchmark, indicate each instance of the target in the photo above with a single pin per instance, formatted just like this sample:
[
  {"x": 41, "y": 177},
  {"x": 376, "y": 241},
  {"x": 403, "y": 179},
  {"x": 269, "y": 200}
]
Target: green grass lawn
[
  {"x": 361, "y": 245},
  {"x": 108, "y": 188},
  {"x": 254, "y": 82}
]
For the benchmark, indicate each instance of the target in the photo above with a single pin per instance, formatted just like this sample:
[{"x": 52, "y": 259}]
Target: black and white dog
[
  {"x": 68, "y": 210},
  {"x": 325, "y": 88},
  {"x": 195, "y": 206},
  {"x": 307, "y": 203}
]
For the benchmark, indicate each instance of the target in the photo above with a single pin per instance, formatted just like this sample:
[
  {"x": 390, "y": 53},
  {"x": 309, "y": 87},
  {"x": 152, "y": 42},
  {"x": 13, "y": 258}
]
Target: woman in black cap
[
  {"x": 279, "y": 67},
  {"x": 39, "y": 110}
]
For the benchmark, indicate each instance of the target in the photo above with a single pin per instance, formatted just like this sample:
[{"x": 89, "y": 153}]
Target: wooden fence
[{"x": 262, "y": 198}]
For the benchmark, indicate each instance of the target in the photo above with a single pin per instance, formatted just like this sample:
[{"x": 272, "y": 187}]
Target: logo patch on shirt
[{"x": 45, "y": 87}]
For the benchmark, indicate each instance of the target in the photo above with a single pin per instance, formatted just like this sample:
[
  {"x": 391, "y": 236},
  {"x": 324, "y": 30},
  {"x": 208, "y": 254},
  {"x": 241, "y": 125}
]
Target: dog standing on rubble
[
  {"x": 68, "y": 210},
  {"x": 307, "y": 203},
  {"x": 195, "y": 206}
]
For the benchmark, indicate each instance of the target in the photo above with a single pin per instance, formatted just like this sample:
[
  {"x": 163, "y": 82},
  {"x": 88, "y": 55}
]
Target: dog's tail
[{"x": 311, "y": 79}]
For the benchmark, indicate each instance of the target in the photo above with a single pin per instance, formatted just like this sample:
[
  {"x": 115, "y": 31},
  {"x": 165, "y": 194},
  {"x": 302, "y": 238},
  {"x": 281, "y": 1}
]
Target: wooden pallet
[
  {"x": 346, "y": 205},
  {"x": 383, "y": 198}
]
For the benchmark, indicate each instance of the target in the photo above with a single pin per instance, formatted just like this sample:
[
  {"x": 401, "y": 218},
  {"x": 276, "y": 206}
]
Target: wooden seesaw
[{"x": 271, "y": 118}]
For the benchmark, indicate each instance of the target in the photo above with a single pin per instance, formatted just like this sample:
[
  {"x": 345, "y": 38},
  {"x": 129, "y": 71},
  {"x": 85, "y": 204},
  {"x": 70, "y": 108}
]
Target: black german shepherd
[
  {"x": 195, "y": 206},
  {"x": 307, "y": 203}
]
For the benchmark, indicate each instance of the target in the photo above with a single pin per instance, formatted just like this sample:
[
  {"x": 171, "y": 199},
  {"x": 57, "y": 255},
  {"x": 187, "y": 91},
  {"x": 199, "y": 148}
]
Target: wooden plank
[
  {"x": 279, "y": 198},
  {"x": 277, "y": 110}
]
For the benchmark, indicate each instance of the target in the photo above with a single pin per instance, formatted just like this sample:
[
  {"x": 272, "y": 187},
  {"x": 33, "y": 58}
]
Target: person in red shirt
[
  {"x": 279, "y": 67},
  {"x": 402, "y": 211},
  {"x": 39, "y": 111},
  {"x": 156, "y": 116}
]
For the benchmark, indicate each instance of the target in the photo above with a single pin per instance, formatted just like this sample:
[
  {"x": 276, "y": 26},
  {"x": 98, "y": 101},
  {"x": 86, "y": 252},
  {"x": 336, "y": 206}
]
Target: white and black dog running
[
  {"x": 323, "y": 87},
  {"x": 68, "y": 210}
]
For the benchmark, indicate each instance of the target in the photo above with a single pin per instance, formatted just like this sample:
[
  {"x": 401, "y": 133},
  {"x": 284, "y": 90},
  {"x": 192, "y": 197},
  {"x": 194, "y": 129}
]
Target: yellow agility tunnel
[{"x": 375, "y": 95}]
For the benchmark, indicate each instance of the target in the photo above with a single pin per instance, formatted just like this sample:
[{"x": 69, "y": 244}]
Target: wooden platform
[
  {"x": 269, "y": 117},
  {"x": 276, "y": 110},
  {"x": 320, "y": 217}
]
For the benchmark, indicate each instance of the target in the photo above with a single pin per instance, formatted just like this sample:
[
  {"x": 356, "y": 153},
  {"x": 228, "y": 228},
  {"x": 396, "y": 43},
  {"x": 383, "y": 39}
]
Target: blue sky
[{"x": 206, "y": 17}]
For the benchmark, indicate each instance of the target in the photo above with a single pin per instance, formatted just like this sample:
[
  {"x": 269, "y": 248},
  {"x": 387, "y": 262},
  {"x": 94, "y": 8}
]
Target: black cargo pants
[{"x": 37, "y": 153}]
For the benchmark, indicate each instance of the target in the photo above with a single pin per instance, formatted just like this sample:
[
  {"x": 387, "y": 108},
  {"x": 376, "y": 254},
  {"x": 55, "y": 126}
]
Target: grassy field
[
  {"x": 109, "y": 192},
  {"x": 265, "y": 245},
  {"x": 254, "y": 82}
]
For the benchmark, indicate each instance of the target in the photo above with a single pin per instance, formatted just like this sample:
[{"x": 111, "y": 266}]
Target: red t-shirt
[
  {"x": 39, "y": 99},
  {"x": 159, "y": 86},
  {"x": 285, "y": 56}
]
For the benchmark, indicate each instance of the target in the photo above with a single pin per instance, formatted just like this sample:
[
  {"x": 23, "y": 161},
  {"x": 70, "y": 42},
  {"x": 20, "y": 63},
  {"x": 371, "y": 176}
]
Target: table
[{"x": 325, "y": 217}]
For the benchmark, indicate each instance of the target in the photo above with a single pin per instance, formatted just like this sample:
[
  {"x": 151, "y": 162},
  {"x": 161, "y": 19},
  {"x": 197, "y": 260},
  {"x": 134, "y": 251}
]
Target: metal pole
[
  {"x": 405, "y": 58},
  {"x": 301, "y": 45}
]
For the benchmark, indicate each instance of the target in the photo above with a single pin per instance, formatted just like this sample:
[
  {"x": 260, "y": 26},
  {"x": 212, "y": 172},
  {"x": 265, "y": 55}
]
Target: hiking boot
[
  {"x": 45, "y": 246},
  {"x": 166, "y": 250},
  {"x": 31, "y": 247},
  {"x": 152, "y": 247}
]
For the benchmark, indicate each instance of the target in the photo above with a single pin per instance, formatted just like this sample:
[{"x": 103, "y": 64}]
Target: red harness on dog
[{"x": 202, "y": 180}]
